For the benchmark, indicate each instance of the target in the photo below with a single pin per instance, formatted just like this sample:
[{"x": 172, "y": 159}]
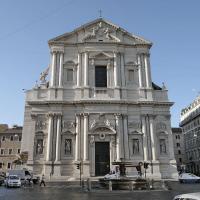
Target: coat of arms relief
[{"x": 100, "y": 31}]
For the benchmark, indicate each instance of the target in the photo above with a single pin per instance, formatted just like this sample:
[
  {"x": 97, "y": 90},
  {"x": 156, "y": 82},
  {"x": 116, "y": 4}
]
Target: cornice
[
  {"x": 92, "y": 102},
  {"x": 121, "y": 44}
]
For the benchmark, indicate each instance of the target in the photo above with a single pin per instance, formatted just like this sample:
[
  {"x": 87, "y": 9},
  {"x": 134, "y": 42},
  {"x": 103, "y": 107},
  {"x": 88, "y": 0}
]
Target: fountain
[{"x": 119, "y": 179}]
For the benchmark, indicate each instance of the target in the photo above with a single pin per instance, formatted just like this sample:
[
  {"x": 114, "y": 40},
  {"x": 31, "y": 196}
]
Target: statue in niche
[
  {"x": 135, "y": 146},
  {"x": 163, "y": 149},
  {"x": 39, "y": 146}
]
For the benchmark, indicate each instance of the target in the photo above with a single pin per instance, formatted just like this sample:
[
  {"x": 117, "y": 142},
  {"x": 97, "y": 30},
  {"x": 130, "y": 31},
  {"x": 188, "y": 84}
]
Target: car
[
  {"x": 188, "y": 178},
  {"x": 189, "y": 196},
  {"x": 13, "y": 181}
]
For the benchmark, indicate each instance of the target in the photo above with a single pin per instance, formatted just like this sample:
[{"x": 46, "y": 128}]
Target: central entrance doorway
[{"x": 102, "y": 158}]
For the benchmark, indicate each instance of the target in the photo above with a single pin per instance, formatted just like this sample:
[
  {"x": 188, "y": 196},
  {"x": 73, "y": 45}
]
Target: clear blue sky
[{"x": 26, "y": 26}]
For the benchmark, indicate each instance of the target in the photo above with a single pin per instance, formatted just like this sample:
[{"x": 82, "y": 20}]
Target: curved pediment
[
  {"x": 131, "y": 63},
  {"x": 67, "y": 133},
  {"x": 136, "y": 133},
  {"x": 41, "y": 133},
  {"x": 70, "y": 63}
]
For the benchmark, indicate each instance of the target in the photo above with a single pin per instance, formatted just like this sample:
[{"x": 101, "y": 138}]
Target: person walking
[{"x": 42, "y": 180}]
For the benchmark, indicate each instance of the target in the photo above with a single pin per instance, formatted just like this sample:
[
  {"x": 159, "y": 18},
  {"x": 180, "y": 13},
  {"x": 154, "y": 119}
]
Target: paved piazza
[{"x": 66, "y": 192}]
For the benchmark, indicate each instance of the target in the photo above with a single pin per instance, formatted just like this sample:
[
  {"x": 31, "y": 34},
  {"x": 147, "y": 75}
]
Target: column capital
[
  {"x": 118, "y": 115},
  {"x": 34, "y": 116},
  {"x": 125, "y": 116},
  {"x": 143, "y": 53},
  {"x": 57, "y": 49},
  {"x": 50, "y": 115},
  {"x": 54, "y": 114},
  {"x": 115, "y": 53}
]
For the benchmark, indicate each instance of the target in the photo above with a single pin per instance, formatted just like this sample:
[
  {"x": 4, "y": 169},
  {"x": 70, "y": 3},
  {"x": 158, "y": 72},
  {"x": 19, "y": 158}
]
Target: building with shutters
[
  {"x": 190, "y": 124},
  {"x": 99, "y": 106},
  {"x": 10, "y": 146}
]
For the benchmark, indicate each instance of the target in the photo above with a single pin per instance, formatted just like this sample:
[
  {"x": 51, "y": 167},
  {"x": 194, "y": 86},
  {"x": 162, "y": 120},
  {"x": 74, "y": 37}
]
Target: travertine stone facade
[
  {"x": 10, "y": 147},
  {"x": 100, "y": 100},
  {"x": 190, "y": 123}
]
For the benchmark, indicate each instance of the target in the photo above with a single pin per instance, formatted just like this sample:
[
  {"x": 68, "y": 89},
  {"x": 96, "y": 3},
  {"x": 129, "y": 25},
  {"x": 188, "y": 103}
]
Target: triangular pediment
[{"x": 99, "y": 30}]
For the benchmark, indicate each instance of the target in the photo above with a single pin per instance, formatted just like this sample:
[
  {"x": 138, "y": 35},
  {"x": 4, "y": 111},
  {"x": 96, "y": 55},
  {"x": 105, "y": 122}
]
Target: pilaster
[
  {"x": 49, "y": 139},
  {"x": 85, "y": 137},
  {"x": 145, "y": 145}
]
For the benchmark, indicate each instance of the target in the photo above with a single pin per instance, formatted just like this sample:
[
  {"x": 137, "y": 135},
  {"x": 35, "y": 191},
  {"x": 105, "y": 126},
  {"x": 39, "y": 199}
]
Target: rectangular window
[
  {"x": 3, "y": 138},
  {"x": 10, "y": 151},
  {"x": 131, "y": 75},
  {"x": 180, "y": 160},
  {"x": 179, "y": 151},
  {"x": 11, "y": 138},
  {"x": 70, "y": 75},
  {"x": 20, "y": 137},
  {"x": 68, "y": 147},
  {"x": 1, "y": 165},
  {"x": 100, "y": 76},
  {"x": 18, "y": 151},
  {"x": 39, "y": 146},
  {"x": 9, "y": 165},
  {"x": 178, "y": 144},
  {"x": 136, "y": 149},
  {"x": 2, "y": 151}
]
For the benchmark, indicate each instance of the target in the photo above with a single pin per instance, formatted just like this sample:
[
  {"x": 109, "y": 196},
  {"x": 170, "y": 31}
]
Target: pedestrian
[{"x": 42, "y": 180}]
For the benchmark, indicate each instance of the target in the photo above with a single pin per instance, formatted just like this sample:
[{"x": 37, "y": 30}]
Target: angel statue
[{"x": 43, "y": 75}]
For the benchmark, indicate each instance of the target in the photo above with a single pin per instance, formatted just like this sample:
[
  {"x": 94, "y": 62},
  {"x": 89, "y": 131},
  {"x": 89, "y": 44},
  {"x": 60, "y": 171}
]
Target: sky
[{"x": 26, "y": 26}]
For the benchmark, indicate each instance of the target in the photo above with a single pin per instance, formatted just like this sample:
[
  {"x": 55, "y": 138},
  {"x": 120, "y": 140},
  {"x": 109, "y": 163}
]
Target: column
[
  {"x": 119, "y": 141},
  {"x": 77, "y": 145},
  {"x": 126, "y": 143},
  {"x": 53, "y": 67},
  {"x": 58, "y": 138},
  {"x": 145, "y": 146},
  {"x": 147, "y": 72},
  {"x": 115, "y": 70},
  {"x": 86, "y": 70},
  {"x": 49, "y": 139},
  {"x": 78, "y": 71},
  {"x": 60, "y": 84},
  {"x": 149, "y": 69},
  {"x": 122, "y": 70},
  {"x": 139, "y": 70},
  {"x": 153, "y": 142},
  {"x": 85, "y": 137}
]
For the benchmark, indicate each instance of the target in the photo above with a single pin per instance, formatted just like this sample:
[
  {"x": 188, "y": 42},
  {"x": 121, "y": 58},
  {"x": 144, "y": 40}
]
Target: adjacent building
[
  {"x": 10, "y": 146},
  {"x": 179, "y": 148},
  {"x": 190, "y": 123},
  {"x": 99, "y": 107}
]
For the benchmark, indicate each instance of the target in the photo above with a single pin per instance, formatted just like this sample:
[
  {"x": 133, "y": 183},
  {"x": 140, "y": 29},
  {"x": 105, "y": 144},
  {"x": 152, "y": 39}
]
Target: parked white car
[
  {"x": 188, "y": 178},
  {"x": 189, "y": 196},
  {"x": 13, "y": 181}
]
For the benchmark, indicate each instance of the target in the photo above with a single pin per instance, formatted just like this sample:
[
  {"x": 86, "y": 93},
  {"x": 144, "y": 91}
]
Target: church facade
[{"x": 99, "y": 107}]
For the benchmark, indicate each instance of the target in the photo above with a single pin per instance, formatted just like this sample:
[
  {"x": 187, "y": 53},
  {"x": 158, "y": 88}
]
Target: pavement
[{"x": 74, "y": 192}]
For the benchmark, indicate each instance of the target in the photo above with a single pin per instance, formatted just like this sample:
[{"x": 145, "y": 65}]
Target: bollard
[
  {"x": 131, "y": 186},
  {"x": 82, "y": 184},
  {"x": 110, "y": 186},
  {"x": 89, "y": 186}
]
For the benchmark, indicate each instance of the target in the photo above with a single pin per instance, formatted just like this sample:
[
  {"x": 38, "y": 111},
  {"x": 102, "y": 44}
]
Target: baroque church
[{"x": 99, "y": 106}]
